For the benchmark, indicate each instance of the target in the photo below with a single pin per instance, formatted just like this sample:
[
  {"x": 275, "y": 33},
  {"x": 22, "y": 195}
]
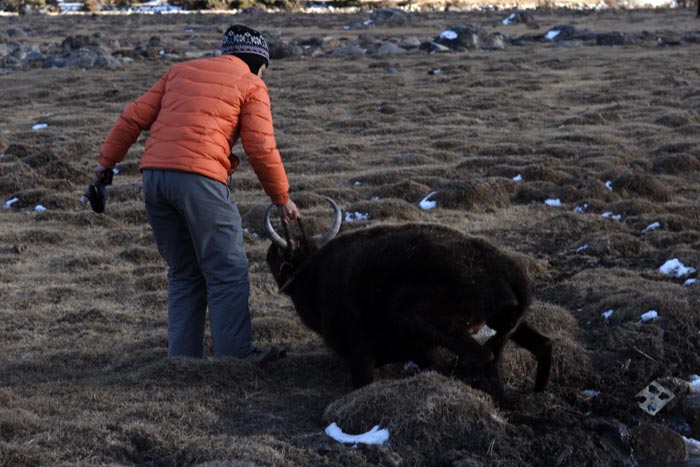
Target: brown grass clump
[
  {"x": 382, "y": 209},
  {"x": 644, "y": 185},
  {"x": 421, "y": 412},
  {"x": 473, "y": 195},
  {"x": 676, "y": 164},
  {"x": 407, "y": 190},
  {"x": 677, "y": 119},
  {"x": 546, "y": 174}
]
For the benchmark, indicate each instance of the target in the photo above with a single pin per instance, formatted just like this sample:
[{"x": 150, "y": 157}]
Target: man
[{"x": 195, "y": 114}]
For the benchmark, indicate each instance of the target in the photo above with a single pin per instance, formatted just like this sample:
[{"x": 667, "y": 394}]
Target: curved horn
[
  {"x": 322, "y": 239},
  {"x": 274, "y": 236}
]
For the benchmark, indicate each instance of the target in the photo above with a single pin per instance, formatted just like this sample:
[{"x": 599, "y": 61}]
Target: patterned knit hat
[{"x": 247, "y": 44}]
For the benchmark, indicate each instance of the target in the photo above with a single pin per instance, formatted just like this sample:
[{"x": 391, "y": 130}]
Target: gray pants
[{"x": 198, "y": 231}]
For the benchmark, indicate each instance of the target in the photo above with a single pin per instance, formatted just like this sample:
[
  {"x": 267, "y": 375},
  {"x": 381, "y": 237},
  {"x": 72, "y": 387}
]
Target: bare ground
[{"x": 83, "y": 374}]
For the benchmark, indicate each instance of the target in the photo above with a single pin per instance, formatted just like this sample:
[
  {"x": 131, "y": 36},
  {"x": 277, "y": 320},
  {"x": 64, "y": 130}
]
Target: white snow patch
[
  {"x": 484, "y": 333},
  {"x": 426, "y": 204},
  {"x": 357, "y": 183},
  {"x": 115, "y": 171},
  {"x": 411, "y": 366},
  {"x": 590, "y": 393},
  {"x": 581, "y": 248},
  {"x": 675, "y": 268},
  {"x": 608, "y": 185},
  {"x": 552, "y": 34},
  {"x": 580, "y": 209},
  {"x": 694, "y": 384},
  {"x": 611, "y": 215},
  {"x": 509, "y": 19},
  {"x": 367, "y": 22},
  {"x": 374, "y": 198},
  {"x": 553, "y": 202},
  {"x": 39, "y": 208},
  {"x": 693, "y": 446},
  {"x": 374, "y": 436},
  {"x": 650, "y": 315},
  {"x": 437, "y": 71},
  {"x": 10, "y": 202},
  {"x": 518, "y": 178},
  {"x": 650, "y": 227},
  {"x": 689, "y": 282},
  {"x": 356, "y": 216},
  {"x": 40, "y": 126},
  {"x": 608, "y": 314},
  {"x": 449, "y": 35}
]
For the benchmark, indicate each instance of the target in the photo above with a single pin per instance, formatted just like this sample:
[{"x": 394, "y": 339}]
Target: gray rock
[
  {"x": 564, "y": 32},
  {"x": 54, "y": 62},
  {"x": 657, "y": 443},
  {"x": 495, "y": 42},
  {"x": 352, "y": 50},
  {"x": 389, "y": 48},
  {"x": 434, "y": 47},
  {"x": 82, "y": 58},
  {"x": 461, "y": 36},
  {"x": 35, "y": 59},
  {"x": 10, "y": 62},
  {"x": 611, "y": 38},
  {"x": 108, "y": 61},
  {"x": 410, "y": 43},
  {"x": 283, "y": 49},
  {"x": 389, "y": 16}
]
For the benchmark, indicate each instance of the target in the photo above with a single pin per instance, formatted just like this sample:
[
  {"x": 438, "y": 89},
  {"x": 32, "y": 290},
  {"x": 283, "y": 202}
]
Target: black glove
[{"x": 97, "y": 194}]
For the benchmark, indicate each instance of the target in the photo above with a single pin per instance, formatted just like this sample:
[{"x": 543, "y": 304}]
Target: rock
[
  {"x": 83, "y": 58},
  {"x": 495, "y": 41},
  {"x": 283, "y": 49},
  {"x": 523, "y": 17},
  {"x": 434, "y": 47},
  {"x": 352, "y": 50},
  {"x": 106, "y": 60},
  {"x": 461, "y": 36},
  {"x": 410, "y": 43},
  {"x": 657, "y": 443},
  {"x": 269, "y": 34},
  {"x": 611, "y": 38},
  {"x": 35, "y": 59},
  {"x": 561, "y": 32},
  {"x": 691, "y": 409},
  {"x": 389, "y": 48},
  {"x": 669, "y": 39},
  {"x": 389, "y": 16},
  {"x": 692, "y": 38},
  {"x": 77, "y": 42},
  {"x": 54, "y": 62}
]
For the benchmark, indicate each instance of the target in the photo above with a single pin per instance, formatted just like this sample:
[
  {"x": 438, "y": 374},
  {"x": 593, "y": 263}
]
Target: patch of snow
[
  {"x": 689, "y": 282},
  {"x": 39, "y": 208},
  {"x": 608, "y": 185},
  {"x": 40, "y": 126},
  {"x": 411, "y": 366},
  {"x": 437, "y": 71},
  {"x": 374, "y": 198},
  {"x": 358, "y": 183},
  {"x": 484, "y": 333},
  {"x": 448, "y": 34},
  {"x": 650, "y": 315},
  {"x": 356, "y": 216},
  {"x": 426, "y": 204},
  {"x": 650, "y": 227},
  {"x": 367, "y": 22},
  {"x": 115, "y": 171},
  {"x": 552, "y": 34},
  {"x": 581, "y": 248},
  {"x": 610, "y": 215},
  {"x": 694, "y": 384},
  {"x": 581, "y": 208},
  {"x": 509, "y": 19},
  {"x": 518, "y": 178},
  {"x": 553, "y": 202},
  {"x": 608, "y": 314},
  {"x": 675, "y": 268},
  {"x": 693, "y": 446},
  {"x": 374, "y": 436},
  {"x": 10, "y": 202},
  {"x": 590, "y": 393}
]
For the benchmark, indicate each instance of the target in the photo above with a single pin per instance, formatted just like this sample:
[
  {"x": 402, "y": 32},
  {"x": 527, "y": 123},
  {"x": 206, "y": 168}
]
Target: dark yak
[{"x": 396, "y": 292}]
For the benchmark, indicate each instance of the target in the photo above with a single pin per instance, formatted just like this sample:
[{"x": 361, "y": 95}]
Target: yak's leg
[
  {"x": 361, "y": 367},
  {"x": 540, "y": 346}
]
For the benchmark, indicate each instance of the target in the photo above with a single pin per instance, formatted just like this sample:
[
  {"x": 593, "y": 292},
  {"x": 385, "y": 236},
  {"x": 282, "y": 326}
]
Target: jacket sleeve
[
  {"x": 138, "y": 116},
  {"x": 257, "y": 136}
]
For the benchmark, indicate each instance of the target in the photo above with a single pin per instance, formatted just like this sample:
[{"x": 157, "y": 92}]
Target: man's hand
[
  {"x": 288, "y": 212},
  {"x": 99, "y": 173}
]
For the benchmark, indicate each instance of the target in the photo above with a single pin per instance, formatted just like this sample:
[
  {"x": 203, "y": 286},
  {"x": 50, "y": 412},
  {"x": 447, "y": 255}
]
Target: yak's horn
[
  {"x": 274, "y": 236},
  {"x": 322, "y": 239}
]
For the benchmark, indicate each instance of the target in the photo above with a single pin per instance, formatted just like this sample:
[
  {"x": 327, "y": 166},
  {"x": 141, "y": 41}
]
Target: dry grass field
[{"x": 612, "y": 131}]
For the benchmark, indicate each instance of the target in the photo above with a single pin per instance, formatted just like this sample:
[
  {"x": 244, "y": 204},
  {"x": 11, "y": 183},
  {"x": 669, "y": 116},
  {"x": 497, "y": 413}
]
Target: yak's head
[{"x": 286, "y": 257}]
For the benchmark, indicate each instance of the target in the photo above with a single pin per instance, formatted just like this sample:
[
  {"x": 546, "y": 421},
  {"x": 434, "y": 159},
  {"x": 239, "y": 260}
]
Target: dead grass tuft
[
  {"x": 474, "y": 195},
  {"x": 421, "y": 412},
  {"x": 385, "y": 209},
  {"x": 644, "y": 185},
  {"x": 407, "y": 190}
]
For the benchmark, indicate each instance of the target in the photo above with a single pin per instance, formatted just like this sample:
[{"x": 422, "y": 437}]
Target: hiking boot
[{"x": 261, "y": 356}]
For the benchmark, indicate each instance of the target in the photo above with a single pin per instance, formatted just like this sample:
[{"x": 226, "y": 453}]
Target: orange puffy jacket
[{"x": 195, "y": 114}]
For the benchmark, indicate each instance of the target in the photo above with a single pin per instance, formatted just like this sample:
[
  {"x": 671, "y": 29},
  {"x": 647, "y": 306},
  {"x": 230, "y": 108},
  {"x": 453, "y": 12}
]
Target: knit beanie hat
[{"x": 246, "y": 44}]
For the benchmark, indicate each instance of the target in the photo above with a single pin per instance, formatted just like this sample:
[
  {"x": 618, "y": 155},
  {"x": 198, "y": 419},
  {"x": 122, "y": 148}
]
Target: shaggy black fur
[{"x": 394, "y": 293}]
